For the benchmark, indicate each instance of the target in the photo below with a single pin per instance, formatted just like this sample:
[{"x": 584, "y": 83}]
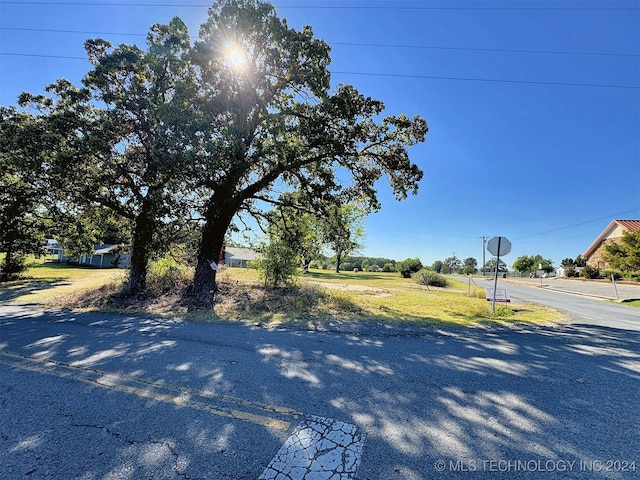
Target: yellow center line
[{"x": 206, "y": 401}]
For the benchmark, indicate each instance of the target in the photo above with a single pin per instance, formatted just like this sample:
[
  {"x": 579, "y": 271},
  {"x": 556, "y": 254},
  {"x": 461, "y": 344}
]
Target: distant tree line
[{"x": 365, "y": 264}]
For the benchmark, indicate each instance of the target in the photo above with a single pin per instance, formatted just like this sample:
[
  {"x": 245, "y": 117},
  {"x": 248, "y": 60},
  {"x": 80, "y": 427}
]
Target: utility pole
[{"x": 484, "y": 242}]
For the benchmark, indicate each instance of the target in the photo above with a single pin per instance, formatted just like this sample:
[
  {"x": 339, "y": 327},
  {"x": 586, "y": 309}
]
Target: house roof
[
  {"x": 241, "y": 253},
  {"x": 104, "y": 249},
  {"x": 631, "y": 226}
]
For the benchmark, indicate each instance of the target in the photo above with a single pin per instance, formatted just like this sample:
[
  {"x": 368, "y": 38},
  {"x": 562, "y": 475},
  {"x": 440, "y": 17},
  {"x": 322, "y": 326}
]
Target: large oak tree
[
  {"x": 126, "y": 136},
  {"x": 221, "y": 126},
  {"x": 22, "y": 226},
  {"x": 280, "y": 124}
]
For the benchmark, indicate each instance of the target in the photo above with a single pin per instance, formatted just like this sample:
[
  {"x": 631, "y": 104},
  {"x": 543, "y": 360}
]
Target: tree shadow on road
[{"x": 462, "y": 396}]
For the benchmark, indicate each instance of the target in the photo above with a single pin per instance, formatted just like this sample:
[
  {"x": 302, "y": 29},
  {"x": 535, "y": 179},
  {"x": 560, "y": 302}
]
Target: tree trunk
[
  {"x": 140, "y": 250},
  {"x": 201, "y": 293},
  {"x": 6, "y": 274},
  {"x": 305, "y": 265},
  {"x": 338, "y": 262}
]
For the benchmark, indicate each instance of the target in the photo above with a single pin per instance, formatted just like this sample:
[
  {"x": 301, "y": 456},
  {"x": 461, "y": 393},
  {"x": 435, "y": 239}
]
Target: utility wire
[
  {"x": 354, "y": 44},
  {"x": 41, "y": 56},
  {"x": 472, "y": 49},
  {"x": 614, "y": 215},
  {"x": 81, "y": 32},
  {"x": 491, "y": 80},
  {"x": 330, "y": 7},
  {"x": 398, "y": 75}
]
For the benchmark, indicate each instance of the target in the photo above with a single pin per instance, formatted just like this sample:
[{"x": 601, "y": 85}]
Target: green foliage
[
  {"x": 612, "y": 273},
  {"x": 590, "y": 272},
  {"x": 470, "y": 266},
  {"x": 388, "y": 267},
  {"x": 320, "y": 263},
  {"x": 432, "y": 278},
  {"x": 136, "y": 168},
  {"x": 349, "y": 263},
  {"x": 624, "y": 255},
  {"x": 283, "y": 124},
  {"x": 571, "y": 271},
  {"x": 408, "y": 267},
  {"x": 167, "y": 273},
  {"x": 12, "y": 266},
  {"x": 502, "y": 311},
  {"x": 277, "y": 264},
  {"x": 451, "y": 265},
  {"x": 524, "y": 264},
  {"x": 568, "y": 262},
  {"x": 342, "y": 229},
  {"x": 22, "y": 193},
  {"x": 173, "y": 131},
  {"x": 296, "y": 228},
  {"x": 547, "y": 264},
  {"x": 491, "y": 266},
  {"x": 437, "y": 266}
]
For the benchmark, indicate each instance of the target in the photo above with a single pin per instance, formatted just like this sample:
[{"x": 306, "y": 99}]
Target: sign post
[{"x": 497, "y": 246}]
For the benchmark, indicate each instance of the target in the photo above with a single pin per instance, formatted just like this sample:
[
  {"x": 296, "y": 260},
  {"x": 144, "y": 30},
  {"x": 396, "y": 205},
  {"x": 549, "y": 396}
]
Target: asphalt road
[
  {"x": 98, "y": 396},
  {"x": 584, "y": 303}
]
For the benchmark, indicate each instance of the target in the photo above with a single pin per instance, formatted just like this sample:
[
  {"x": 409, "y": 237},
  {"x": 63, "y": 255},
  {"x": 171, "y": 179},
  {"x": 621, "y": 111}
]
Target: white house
[
  {"x": 239, "y": 257},
  {"x": 102, "y": 256}
]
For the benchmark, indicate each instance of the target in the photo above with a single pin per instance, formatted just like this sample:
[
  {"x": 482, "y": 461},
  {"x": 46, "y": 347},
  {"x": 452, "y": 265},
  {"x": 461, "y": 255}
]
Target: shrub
[
  {"x": 11, "y": 269},
  {"x": 315, "y": 264},
  {"x": 590, "y": 272},
  {"x": 503, "y": 311},
  {"x": 278, "y": 264},
  {"x": 167, "y": 274},
  {"x": 608, "y": 273},
  {"x": 409, "y": 266},
  {"x": 431, "y": 278},
  {"x": 388, "y": 267},
  {"x": 469, "y": 270}
]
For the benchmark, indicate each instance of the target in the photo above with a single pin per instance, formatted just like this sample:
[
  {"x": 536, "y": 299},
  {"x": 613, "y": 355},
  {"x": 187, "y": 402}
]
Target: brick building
[{"x": 594, "y": 255}]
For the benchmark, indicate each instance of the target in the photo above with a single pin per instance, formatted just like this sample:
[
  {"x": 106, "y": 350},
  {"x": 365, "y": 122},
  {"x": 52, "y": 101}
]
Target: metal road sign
[{"x": 499, "y": 243}]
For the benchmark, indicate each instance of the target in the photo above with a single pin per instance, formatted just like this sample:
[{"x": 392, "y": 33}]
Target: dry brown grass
[{"x": 320, "y": 298}]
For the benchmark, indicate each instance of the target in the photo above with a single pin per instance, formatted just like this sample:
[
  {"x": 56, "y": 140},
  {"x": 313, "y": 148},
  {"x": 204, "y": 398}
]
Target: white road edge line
[{"x": 318, "y": 449}]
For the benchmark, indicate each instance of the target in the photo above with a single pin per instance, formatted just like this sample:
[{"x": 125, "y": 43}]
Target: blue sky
[{"x": 533, "y": 106}]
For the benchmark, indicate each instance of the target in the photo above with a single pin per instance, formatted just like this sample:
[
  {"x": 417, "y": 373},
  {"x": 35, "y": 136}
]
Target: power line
[
  {"x": 334, "y": 7},
  {"x": 613, "y": 215},
  {"x": 355, "y": 44},
  {"x": 397, "y": 75},
  {"x": 491, "y": 80},
  {"x": 42, "y": 56},
  {"x": 473, "y": 49},
  {"x": 478, "y": 8},
  {"x": 82, "y": 32}
]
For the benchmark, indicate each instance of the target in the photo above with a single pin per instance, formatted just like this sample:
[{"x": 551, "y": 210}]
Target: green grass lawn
[
  {"x": 320, "y": 296},
  {"x": 55, "y": 283},
  {"x": 390, "y": 298},
  {"x": 632, "y": 303}
]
